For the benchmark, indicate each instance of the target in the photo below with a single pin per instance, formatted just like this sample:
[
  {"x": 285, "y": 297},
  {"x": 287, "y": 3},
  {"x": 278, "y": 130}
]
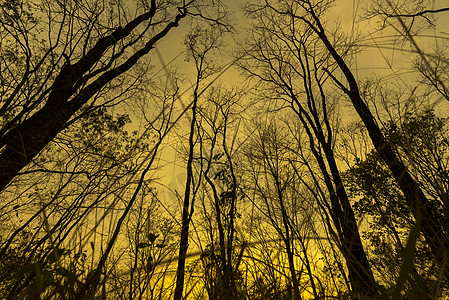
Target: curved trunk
[{"x": 432, "y": 227}]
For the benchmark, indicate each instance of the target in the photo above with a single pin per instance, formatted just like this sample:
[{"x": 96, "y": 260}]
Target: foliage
[
  {"x": 90, "y": 134},
  {"x": 422, "y": 142}
]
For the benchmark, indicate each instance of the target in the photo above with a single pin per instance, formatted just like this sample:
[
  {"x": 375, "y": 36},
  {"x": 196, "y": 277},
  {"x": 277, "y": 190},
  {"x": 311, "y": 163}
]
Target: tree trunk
[
  {"x": 360, "y": 273},
  {"x": 186, "y": 211},
  {"x": 432, "y": 227},
  {"x": 24, "y": 142}
]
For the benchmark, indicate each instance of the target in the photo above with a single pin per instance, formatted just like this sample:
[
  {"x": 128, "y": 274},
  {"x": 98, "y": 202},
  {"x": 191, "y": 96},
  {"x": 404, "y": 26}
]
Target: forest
[{"x": 224, "y": 149}]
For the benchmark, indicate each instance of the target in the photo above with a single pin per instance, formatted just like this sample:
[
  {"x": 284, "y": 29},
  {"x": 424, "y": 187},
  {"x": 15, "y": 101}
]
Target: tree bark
[
  {"x": 23, "y": 143},
  {"x": 186, "y": 210},
  {"x": 432, "y": 227}
]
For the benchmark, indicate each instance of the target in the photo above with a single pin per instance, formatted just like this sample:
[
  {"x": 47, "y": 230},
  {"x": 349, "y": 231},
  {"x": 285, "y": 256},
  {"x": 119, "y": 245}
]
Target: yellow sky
[{"x": 378, "y": 58}]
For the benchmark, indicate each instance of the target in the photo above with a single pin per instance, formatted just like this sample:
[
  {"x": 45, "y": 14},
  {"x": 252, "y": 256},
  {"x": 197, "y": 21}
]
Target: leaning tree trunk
[
  {"x": 21, "y": 144},
  {"x": 432, "y": 227},
  {"x": 360, "y": 273}
]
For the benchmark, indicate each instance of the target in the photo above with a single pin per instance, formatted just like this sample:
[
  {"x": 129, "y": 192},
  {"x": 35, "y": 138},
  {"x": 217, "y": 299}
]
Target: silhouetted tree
[{"x": 288, "y": 65}]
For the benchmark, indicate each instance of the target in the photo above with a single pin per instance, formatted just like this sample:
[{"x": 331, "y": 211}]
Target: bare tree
[
  {"x": 287, "y": 62},
  {"x": 274, "y": 184},
  {"x": 410, "y": 19},
  {"x": 81, "y": 182},
  {"x": 430, "y": 223},
  {"x": 201, "y": 43},
  {"x": 221, "y": 117},
  {"x": 88, "y": 46}
]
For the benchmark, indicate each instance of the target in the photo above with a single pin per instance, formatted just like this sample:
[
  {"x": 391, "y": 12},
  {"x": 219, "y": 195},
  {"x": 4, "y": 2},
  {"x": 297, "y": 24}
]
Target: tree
[
  {"x": 409, "y": 19},
  {"x": 288, "y": 65},
  {"x": 276, "y": 190},
  {"x": 82, "y": 177},
  {"x": 431, "y": 225},
  {"x": 61, "y": 74},
  {"x": 87, "y": 49},
  {"x": 200, "y": 44},
  {"x": 221, "y": 115},
  {"x": 421, "y": 141},
  {"x": 140, "y": 267},
  {"x": 268, "y": 210}
]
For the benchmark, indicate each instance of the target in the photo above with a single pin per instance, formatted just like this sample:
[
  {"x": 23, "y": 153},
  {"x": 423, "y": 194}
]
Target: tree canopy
[{"x": 313, "y": 145}]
